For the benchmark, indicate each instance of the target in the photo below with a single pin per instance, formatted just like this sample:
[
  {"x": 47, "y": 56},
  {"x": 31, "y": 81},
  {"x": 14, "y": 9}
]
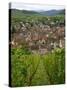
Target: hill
[{"x": 43, "y": 13}]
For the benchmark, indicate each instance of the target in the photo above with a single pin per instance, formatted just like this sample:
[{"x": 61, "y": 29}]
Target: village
[{"x": 39, "y": 38}]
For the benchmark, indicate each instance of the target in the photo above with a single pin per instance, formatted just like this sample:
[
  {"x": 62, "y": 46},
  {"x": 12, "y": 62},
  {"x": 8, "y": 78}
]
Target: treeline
[{"x": 36, "y": 20}]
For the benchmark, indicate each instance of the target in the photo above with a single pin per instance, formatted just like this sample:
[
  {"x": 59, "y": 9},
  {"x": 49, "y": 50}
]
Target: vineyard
[{"x": 28, "y": 69}]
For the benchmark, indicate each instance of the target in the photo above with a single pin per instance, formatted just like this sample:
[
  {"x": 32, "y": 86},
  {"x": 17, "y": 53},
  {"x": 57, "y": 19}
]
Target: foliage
[
  {"x": 34, "y": 69},
  {"x": 37, "y": 19},
  {"x": 54, "y": 65}
]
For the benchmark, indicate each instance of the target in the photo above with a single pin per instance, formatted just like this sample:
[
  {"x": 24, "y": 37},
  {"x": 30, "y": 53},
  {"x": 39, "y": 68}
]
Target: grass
[{"x": 35, "y": 69}]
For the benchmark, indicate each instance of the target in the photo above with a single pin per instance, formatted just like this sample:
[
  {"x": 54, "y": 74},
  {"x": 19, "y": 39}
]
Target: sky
[{"x": 25, "y": 6}]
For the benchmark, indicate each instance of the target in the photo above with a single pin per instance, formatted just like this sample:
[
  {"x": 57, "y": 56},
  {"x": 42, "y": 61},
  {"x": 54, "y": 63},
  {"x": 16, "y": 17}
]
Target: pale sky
[{"x": 25, "y": 6}]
